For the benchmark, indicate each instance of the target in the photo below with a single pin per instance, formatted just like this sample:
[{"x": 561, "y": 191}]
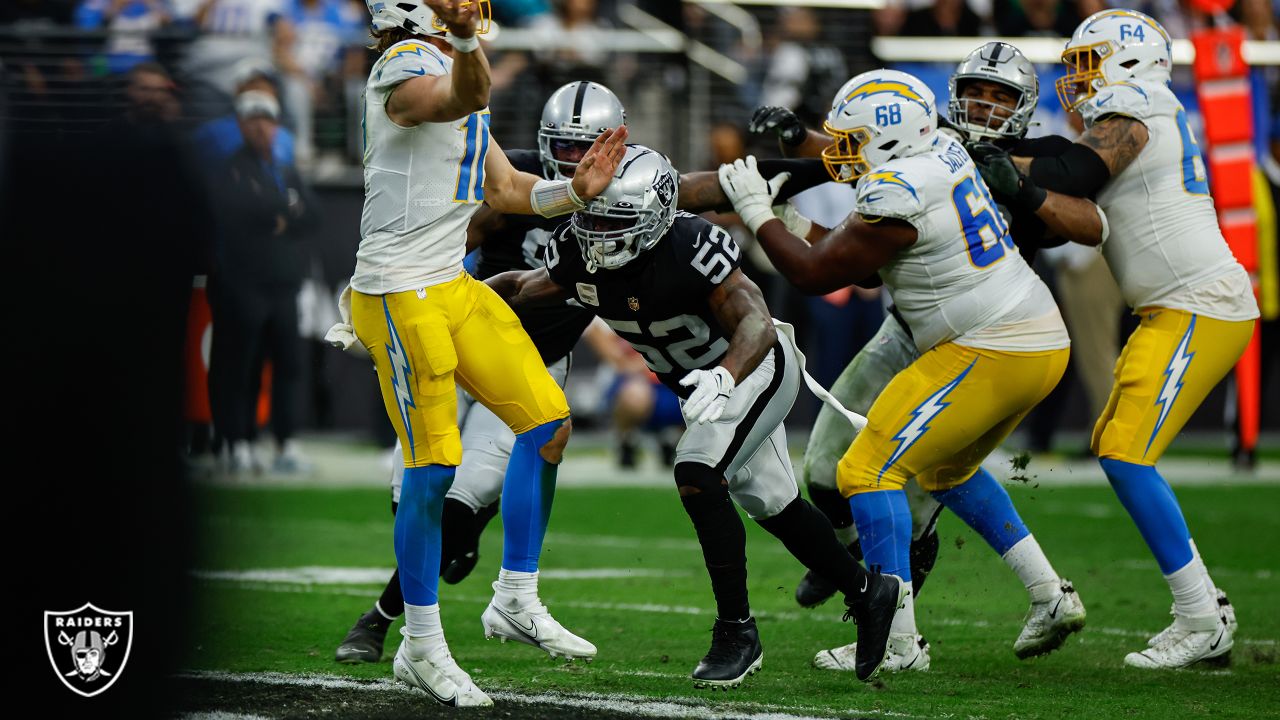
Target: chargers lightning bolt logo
[
  {"x": 889, "y": 177},
  {"x": 400, "y": 373},
  {"x": 924, "y": 413},
  {"x": 891, "y": 87},
  {"x": 1173, "y": 376}
]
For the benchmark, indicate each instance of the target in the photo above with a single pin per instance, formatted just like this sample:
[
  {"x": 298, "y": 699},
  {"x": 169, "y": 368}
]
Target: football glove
[
  {"x": 752, "y": 196},
  {"x": 780, "y": 121},
  {"x": 711, "y": 391},
  {"x": 1002, "y": 176}
]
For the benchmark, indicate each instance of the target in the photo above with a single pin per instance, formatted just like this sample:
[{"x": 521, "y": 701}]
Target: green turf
[{"x": 971, "y": 609}]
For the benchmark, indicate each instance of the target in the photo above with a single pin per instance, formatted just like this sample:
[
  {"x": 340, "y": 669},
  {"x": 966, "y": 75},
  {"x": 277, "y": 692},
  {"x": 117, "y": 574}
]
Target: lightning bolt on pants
[{"x": 1167, "y": 368}]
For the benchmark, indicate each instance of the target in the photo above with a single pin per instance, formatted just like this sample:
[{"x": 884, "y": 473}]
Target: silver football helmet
[
  {"x": 1001, "y": 63},
  {"x": 571, "y": 120},
  {"x": 633, "y": 212}
]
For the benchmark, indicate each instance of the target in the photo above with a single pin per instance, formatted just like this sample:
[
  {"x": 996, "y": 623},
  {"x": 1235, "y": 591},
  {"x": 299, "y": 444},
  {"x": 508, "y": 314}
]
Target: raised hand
[
  {"x": 779, "y": 120},
  {"x": 461, "y": 17},
  {"x": 596, "y": 169}
]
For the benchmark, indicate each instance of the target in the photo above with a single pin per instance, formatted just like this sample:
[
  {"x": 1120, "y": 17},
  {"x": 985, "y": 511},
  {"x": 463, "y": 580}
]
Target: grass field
[{"x": 622, "y": 568}]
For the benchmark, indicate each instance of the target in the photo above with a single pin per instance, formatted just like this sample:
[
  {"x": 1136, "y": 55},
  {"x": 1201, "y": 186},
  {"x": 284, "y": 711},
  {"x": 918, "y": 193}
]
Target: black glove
[
  {"x": 1002, "y": 176},
  {"x": 780, "y": 120}
]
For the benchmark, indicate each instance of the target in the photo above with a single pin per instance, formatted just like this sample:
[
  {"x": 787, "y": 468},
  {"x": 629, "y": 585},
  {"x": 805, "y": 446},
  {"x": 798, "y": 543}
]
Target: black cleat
[
  {"x": 735, "y": 653},
  {"x": 363, "y": 644},
  {"x": 873, "y": 612},
  {"x": 814, "y": 589},
  {"x": 924, "y": 553}
]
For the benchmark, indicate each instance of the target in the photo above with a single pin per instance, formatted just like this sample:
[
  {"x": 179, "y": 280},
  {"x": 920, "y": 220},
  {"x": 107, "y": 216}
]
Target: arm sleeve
[
  {"x": 1079, "y": 171},
  {"x": 806, "y": 173}
]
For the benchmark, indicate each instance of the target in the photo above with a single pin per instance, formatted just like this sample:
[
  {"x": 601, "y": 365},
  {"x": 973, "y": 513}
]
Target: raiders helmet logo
[
  {"x": 666, "y": 190},
  {"x": 88, "y": 647}
]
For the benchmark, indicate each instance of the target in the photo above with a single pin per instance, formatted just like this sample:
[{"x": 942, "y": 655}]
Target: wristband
[
  {"x": 461, "y": 44},
  {"x": 550, "y": 198}
]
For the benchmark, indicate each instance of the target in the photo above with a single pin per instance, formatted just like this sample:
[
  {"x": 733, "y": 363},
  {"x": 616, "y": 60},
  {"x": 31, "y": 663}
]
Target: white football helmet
[
  {"x": 416, "y": 17},
  {"x": 876, "y": 117},
  {"x": 632, "y": 214},
  {"x": 1000, "y": 63},
  {"x": 1110, "y": 47},
  {"x": 575, "y": 115}
]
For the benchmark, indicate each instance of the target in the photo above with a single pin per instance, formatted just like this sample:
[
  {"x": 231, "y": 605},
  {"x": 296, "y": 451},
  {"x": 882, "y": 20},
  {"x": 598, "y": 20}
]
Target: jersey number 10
[{"x": 470, "y": 185}]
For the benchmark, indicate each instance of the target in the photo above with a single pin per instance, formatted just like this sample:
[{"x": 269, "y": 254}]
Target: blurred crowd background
[{"x": 237, "y": 126}]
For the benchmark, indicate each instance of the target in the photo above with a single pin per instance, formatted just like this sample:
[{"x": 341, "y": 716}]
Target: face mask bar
[
  {"x": 843, "y": 158},
  {"x": 1084, "y": 66},
  {"x": 609, "y": 236},
  {"x": 994, "y": 125},
  {"x": 482, "y": 27}
]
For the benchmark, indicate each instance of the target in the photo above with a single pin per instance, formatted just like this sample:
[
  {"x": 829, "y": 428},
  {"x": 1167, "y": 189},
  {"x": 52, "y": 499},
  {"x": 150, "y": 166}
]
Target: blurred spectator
[
  {"x": 232, "y": 33},
  {"x": 804, "y": 71},
  {"x": 220, "y": 138},
  {"x": 576, "y": 49},
  {"x": 1170, "y": 13},
  {"x": 264, "y": 213},
  {"x": 942, "y": 18},
  {"x": 129, "y": 24},
  {"x": 149, "y": 95},
  {"x": 635, "y": 400},
  {"x": 1042, "y": 18},
  {"x": 519, "y": 13}
]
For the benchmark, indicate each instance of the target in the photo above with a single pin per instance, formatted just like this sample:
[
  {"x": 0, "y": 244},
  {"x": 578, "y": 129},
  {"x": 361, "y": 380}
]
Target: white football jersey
[
  {"x": 422, "y": 184},
  {"x": 963, "y": 279},
  {"x": 1165, "y": 247}
]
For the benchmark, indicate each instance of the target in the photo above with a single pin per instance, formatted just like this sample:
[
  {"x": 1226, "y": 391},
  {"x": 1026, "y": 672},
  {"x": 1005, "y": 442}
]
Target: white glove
[
  {"x": 707, "y": 402},
  {"x": 751, "y": 195},
  {"x": 342, "y": 334}
]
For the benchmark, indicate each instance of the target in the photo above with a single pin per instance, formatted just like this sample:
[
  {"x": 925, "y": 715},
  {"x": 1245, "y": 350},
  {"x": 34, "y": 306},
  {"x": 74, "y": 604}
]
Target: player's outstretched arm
[
  {"x": 701, "y": 192},
  {"x": 851, "y": 253},
  {"x": 510, "y": 191},
  {"x": 527, "y": 288},
  {"x": 794, "y": 139},
  {"x": 1103, "y": 152},
  {"x": 445, "y": 98},
  {"x": 740, "y": 307},
  {"x": 1072, "y": 218}
]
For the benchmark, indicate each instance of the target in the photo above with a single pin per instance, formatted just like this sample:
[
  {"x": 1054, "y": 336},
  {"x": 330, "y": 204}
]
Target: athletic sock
[
  {"x": 1190, "y": 596},
  {"x": 1029, "y": 563},
  {"x": 904, "y": 621},
  {"x": 515, "y": 590},
  {"x": 807, "y": 535},
  {"x": 422, "y": 629},
  {"x": 527, "y": 492},
  {"x": 1151, "y": 503},
  {"x": 1199, "y": 562},
  {"x": 391, "y": 604},
  {"x": 984, "y": 505},
  {"x": 720, "y": 534}
]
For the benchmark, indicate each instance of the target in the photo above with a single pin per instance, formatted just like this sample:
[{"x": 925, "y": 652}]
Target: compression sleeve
[{"x": 1079, "y": 171}]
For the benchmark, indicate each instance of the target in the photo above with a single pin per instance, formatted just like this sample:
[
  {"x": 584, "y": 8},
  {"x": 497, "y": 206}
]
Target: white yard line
[
  {"x": 626, "y": 704},
  {"x": 319, "y": 575}
]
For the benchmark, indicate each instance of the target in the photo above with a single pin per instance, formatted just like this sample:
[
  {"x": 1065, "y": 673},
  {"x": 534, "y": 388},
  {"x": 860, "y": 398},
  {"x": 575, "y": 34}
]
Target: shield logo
[
  {"x": 88, "y": 647},
  {"x": 634, "y": 304}
]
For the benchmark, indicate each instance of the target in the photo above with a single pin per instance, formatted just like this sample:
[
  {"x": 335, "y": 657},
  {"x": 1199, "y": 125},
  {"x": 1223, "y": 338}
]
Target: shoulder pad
[
  {"x": 1124, "y": 98},
  {"x": 889, "y": 192},
  {"x": 405, "y": 61}
]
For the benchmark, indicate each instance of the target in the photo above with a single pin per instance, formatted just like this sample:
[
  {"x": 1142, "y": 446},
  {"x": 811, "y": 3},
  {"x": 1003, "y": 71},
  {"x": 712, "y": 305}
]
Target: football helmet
[
  {"x": 1000, "y": 63},
  {"x": 416, "y": 17},
  {"x": 633, "y": 212},
  {"x": 1110, "y": 47},
  {"x": 571, "y": 120},
  {"x": 876, "y": 117}
]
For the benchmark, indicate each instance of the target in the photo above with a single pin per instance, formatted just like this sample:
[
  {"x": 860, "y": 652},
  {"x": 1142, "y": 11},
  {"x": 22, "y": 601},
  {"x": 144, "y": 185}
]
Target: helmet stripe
[{"x": 578, "y": 99}]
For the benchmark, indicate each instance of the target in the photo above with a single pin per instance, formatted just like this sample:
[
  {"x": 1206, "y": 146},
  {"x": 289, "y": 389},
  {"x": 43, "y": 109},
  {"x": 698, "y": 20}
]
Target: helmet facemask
[
  {"x": 611, "y": 236},
  {"x": 844, "y": 157},
  {"x": 1084, "y": 74},
  {"x": 981, "y": 118},
  {"x": 560, "y": 151}
]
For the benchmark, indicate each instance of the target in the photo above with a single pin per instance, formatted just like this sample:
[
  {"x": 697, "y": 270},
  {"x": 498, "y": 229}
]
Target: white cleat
[
  {"x": 1048, "y": 623},
  {"x": 533, "y": 625},
  {"x": 1189, "y": 640},
  {"x": 440, "y": 678},
  {"x": 1225, "y": 609},
  {"x": 905, "y": 652}
]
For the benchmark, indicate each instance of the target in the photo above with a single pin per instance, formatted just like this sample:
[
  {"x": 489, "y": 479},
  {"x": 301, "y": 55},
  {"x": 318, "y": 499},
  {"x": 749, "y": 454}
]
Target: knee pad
[{"x": 700, "y": 485}]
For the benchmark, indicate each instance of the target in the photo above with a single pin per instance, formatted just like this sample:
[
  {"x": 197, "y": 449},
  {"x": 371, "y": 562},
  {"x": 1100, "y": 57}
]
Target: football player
[
  {"x": 427, "y": 324},
  {"x": 991, "y": 342},
  {"x": 668, "y": 282},
  {"x": 994, "y": 92},
  {"x": 1195, "y": 302},
  {"x": 571, "y": 120}
]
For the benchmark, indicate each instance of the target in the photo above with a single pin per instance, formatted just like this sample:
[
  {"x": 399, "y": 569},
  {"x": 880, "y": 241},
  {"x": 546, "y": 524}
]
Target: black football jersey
[
  {"x": 522, "y": 245},
  {"x": 658, "y": 301},
  {"x": 1027, "y": 230}
]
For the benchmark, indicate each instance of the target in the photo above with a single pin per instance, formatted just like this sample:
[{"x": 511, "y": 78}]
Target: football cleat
[
  {"x": 533, "y": 625},
  {"x": 814, "y": 589},
  {"x": 906, "y": 652},
  {"x": 735, "y": 653},
  {"x": 1048, "y": 623},
  {"x": 363, "y": 643},
  {"x": 1225, "y": 608},
  {"x": 440, "y": 677},
  {"x": 1190, "y": 640},
  {"x": 873, "y": 613}
]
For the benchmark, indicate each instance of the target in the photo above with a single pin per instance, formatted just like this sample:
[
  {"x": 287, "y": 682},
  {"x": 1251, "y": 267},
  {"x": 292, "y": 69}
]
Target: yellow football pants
[
  {"x": 939, "y": 418},
  {"x": 1165, "y": 371},
  {"x": 424, "y": 340}
]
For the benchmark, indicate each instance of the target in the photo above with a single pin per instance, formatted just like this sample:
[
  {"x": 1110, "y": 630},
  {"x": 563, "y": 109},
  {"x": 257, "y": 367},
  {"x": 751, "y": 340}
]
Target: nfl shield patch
[{"x": 88, "y": 647}]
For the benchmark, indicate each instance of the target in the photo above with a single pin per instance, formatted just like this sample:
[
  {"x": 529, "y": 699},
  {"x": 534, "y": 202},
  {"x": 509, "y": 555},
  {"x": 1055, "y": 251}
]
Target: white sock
[
  {"x": 847, "y": 535},
  {"x": 1204, "y": 571},
  {"x": 1190, "y": 596},
  {"x": 904, "y": 621},
  {"x": 1029, "y": 563},
  {"x": 377, "y": 605},
  {"x": 422, "y": 629},
  {"x": 516, "y": 589}
]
